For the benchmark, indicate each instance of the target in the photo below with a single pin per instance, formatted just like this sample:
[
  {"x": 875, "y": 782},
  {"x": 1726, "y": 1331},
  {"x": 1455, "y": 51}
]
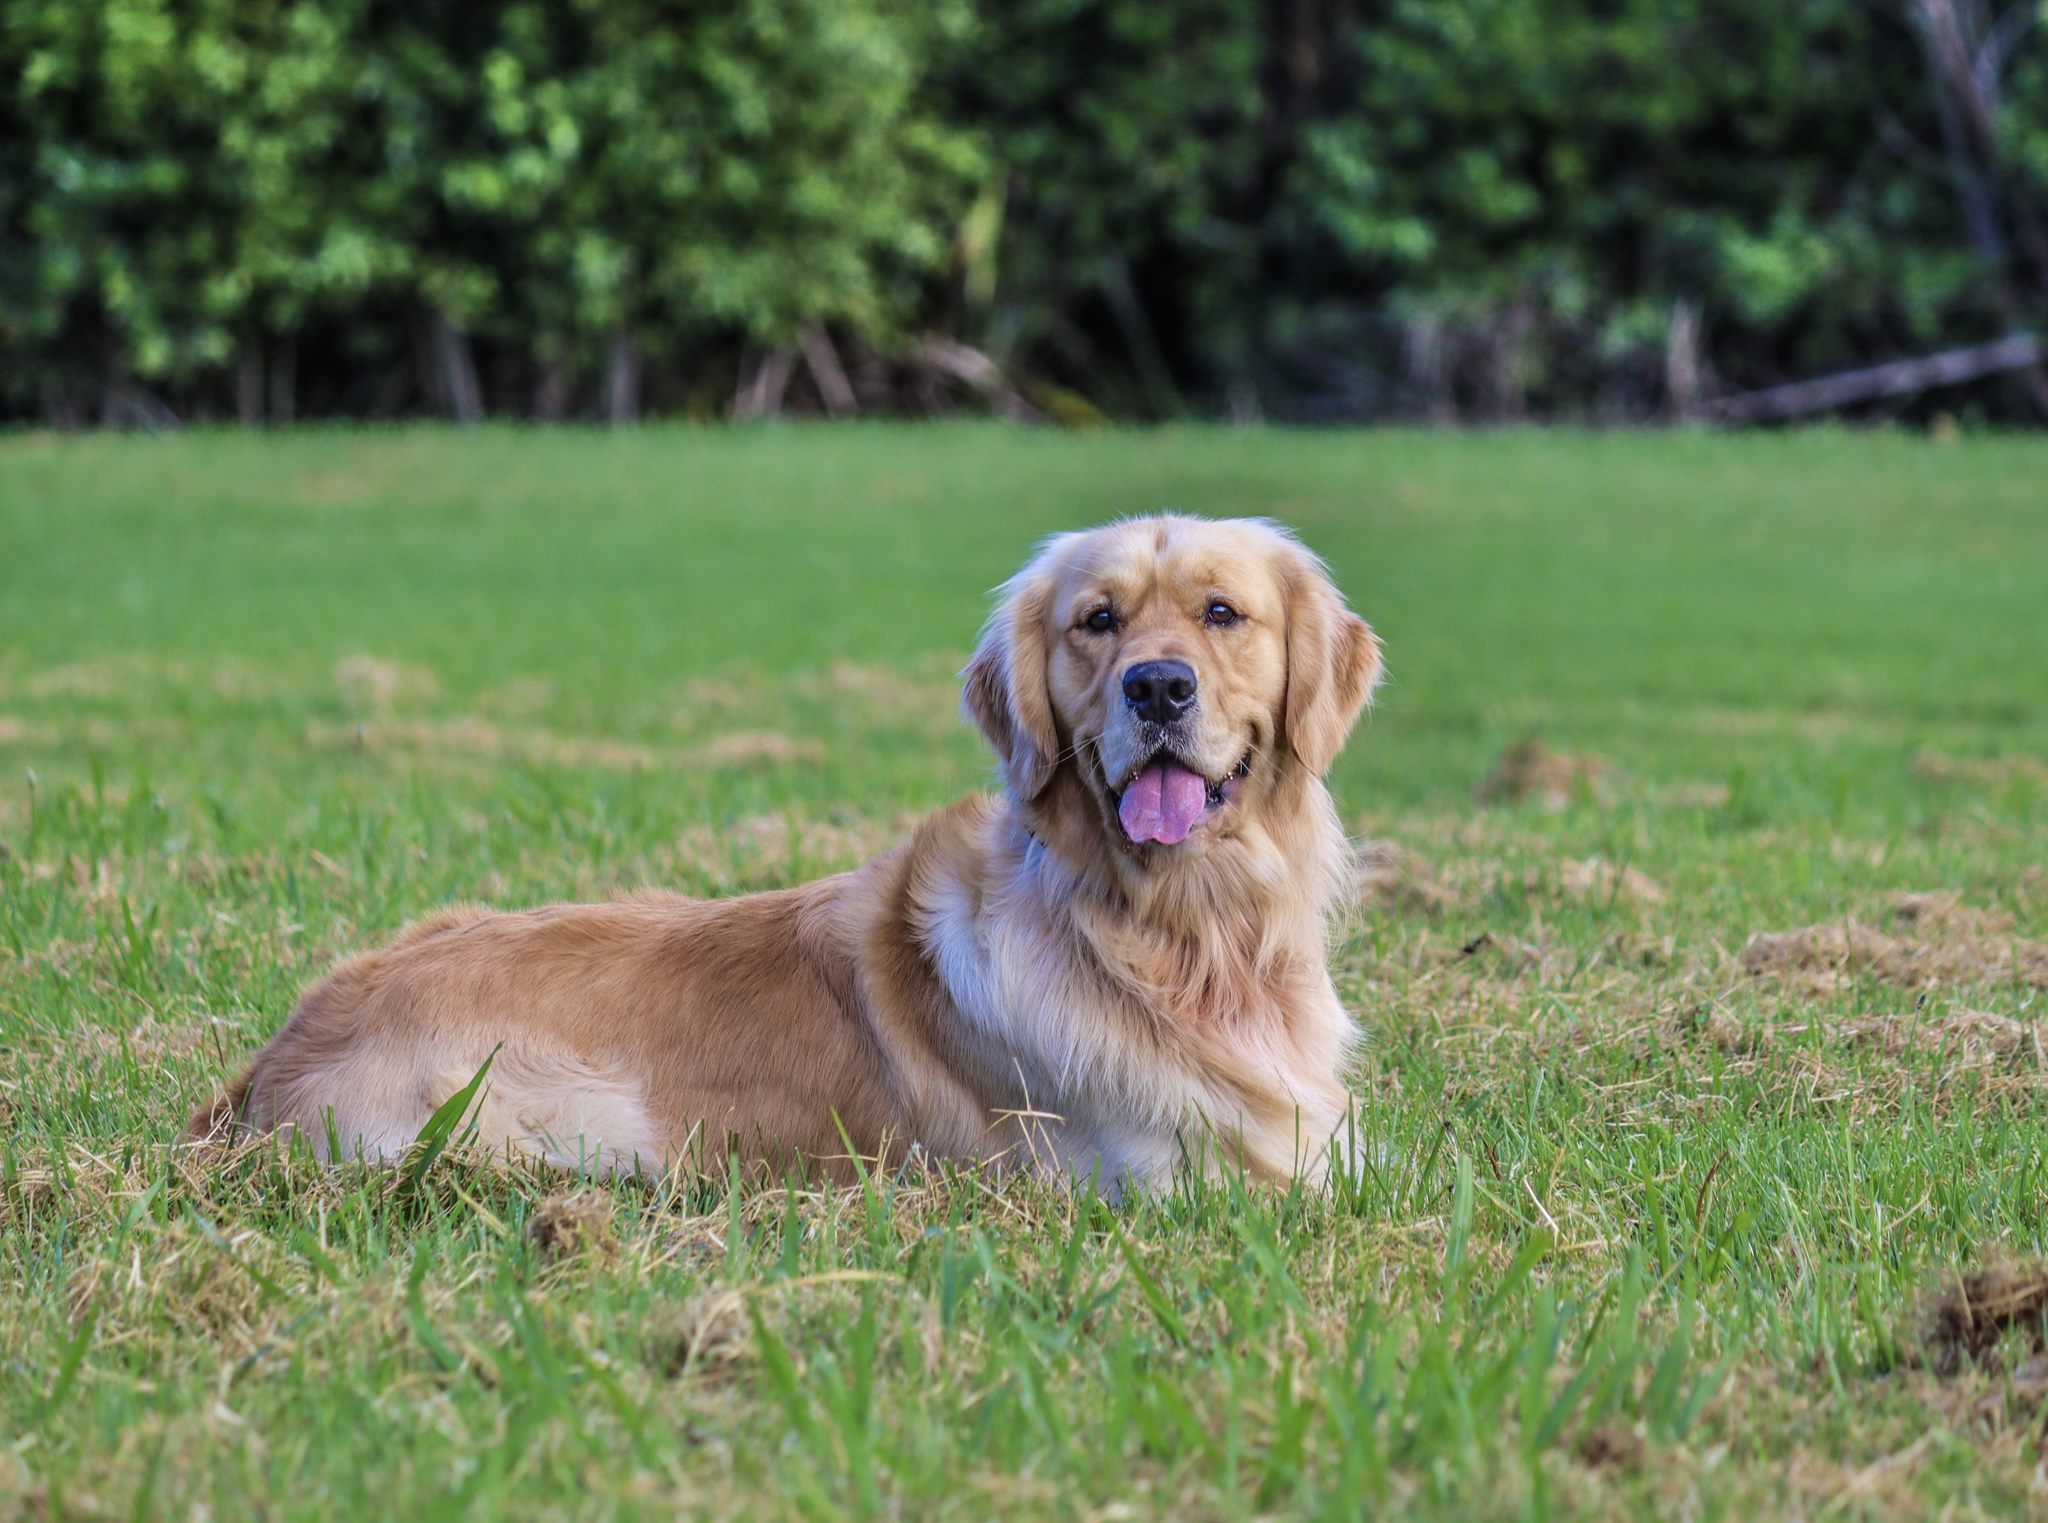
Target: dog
[{"x": 1115, "y": 965}]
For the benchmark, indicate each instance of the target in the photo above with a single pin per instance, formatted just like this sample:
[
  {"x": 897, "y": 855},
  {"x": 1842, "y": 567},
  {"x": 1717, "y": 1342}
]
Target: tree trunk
[
  {"x": 249, "y": 383},
  {"x": 1953, "y": 45},
  {"x": 1125, "y": 305},
  {"x": 455, "y": 368},
  {"x": 551, "y": 387},
  {"x": 622, "y": 380},
  {"x": 128, "y": 404},
  {"x": 284, "y": 379},
  {"x": 1503, "y": 378},
  {"x": 943, "y": 356},
  {"x": 823, "y": 363},
  {"x": 61, "y": 405},
  {"x": 1685, "y": 370},
  {"x": 1425, "y": 348},
  {"x": 760, "y": 394},
  {"x": 1899, "y": 378}
]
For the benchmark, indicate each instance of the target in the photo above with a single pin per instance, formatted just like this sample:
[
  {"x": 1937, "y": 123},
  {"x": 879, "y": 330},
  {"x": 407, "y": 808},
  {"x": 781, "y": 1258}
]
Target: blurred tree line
[{"x": 1308, "y": 209}]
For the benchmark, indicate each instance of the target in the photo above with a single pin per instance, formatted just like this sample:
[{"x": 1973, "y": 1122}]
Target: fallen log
[{"x": 1897, "y": 378}]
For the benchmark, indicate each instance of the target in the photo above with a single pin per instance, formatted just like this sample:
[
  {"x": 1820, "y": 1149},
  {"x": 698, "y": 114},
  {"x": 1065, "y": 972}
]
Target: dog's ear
[
  {"x": 1333, "y": 665},
  {"x": 1005, "y": 688}
]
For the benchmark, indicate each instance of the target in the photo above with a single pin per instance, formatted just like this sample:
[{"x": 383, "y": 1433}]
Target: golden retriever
[{"x": 1115, "y": 964}]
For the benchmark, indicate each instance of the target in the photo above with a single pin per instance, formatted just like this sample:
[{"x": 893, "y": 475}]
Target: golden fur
[{"x": 1018, "y": 981}]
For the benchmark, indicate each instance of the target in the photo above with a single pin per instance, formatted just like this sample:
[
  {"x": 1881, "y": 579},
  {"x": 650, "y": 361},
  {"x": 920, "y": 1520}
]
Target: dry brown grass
[
  {"x": 26, "y": 1195},
  {"x": 892, "y": 690},
  {"x": 472, "y": 735},
  {"x": 737, "y": 750},
  {"x": 1394, "y": 879},
  {"x": 78, "y": 679},
  {"x": 1980, "y": 771},
  {"x": 771, "y": 849},
  {"x": 703, "y": 1333},
  {"x": 1691, "y": 795},
  {"x": 1502, "y": 955},
  {"x": 1934, "y": 940},
  {"x": 227, "y": 1286},
  {"x": 376, "y": 686},
  {"x": 1596, "y": 880},
  {"x": 1530, "y": 770},
  {"x": 1960, "y": 1039},
  {"x": 924, "y": 694}
]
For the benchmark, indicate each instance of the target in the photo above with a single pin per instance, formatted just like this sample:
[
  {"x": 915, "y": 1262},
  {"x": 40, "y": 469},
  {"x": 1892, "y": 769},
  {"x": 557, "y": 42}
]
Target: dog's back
[{"x": 623, "y": 1035}]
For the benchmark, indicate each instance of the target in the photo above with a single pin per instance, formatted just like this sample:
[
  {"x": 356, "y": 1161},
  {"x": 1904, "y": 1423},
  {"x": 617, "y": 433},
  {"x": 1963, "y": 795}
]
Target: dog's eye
[
  {"x": 1101, "y": 621},
  {"x": 1220, "y": 614}
]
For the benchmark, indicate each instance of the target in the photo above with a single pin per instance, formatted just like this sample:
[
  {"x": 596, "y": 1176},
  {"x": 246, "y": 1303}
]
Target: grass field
[{"x": 1665, "y": 1212}]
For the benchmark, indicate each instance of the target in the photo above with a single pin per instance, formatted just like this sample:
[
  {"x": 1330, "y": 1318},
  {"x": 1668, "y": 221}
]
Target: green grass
[{"x": 1653, "y": 1224}]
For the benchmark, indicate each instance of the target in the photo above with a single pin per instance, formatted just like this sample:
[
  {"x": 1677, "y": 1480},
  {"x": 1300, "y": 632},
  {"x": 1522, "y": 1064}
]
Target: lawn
[{"x": 1704, "y": 1048}]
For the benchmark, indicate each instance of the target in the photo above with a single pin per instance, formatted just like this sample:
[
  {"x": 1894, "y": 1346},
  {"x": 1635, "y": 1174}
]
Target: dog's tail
[{"x": 215, "y": 1121}]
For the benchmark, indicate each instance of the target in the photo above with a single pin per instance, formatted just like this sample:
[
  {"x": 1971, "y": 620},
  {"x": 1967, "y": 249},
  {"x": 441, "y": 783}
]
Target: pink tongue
[{"x": 1163, "y": 803}]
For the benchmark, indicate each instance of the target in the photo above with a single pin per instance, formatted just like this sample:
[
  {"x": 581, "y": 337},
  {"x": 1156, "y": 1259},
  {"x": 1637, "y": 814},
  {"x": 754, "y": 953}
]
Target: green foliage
[
  {"x": 1529, "y": 188},
  {"x": 192, "y": 175},
  {"x": 751, "y": 169},
  {"x": 1463, "y": 206}
]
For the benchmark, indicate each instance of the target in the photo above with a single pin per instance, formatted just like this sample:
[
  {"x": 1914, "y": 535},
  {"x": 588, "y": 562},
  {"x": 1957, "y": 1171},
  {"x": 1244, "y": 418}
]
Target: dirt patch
[
  {"x": 1610, "y": 1446},
  {"x": 1965, "y": 1324},
  {"x": 1530, "y": 770},
  {"x": 1980, "y": 771},
  {"x": 1932, "y": 939},
  {"x": 574, "y": 1226}
]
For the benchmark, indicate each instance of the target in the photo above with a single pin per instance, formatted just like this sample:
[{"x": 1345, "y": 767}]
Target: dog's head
[{"x": 1174, "y": 673}]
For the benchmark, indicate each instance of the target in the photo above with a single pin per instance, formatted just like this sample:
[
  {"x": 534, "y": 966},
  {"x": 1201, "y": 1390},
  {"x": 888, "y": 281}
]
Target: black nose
[{"x": 1160, "y": 691}]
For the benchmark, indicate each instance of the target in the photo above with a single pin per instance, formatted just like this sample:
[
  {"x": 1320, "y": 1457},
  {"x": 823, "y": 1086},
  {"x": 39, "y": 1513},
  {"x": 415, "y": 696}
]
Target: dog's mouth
[{"x": 1163, "y": 799}]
